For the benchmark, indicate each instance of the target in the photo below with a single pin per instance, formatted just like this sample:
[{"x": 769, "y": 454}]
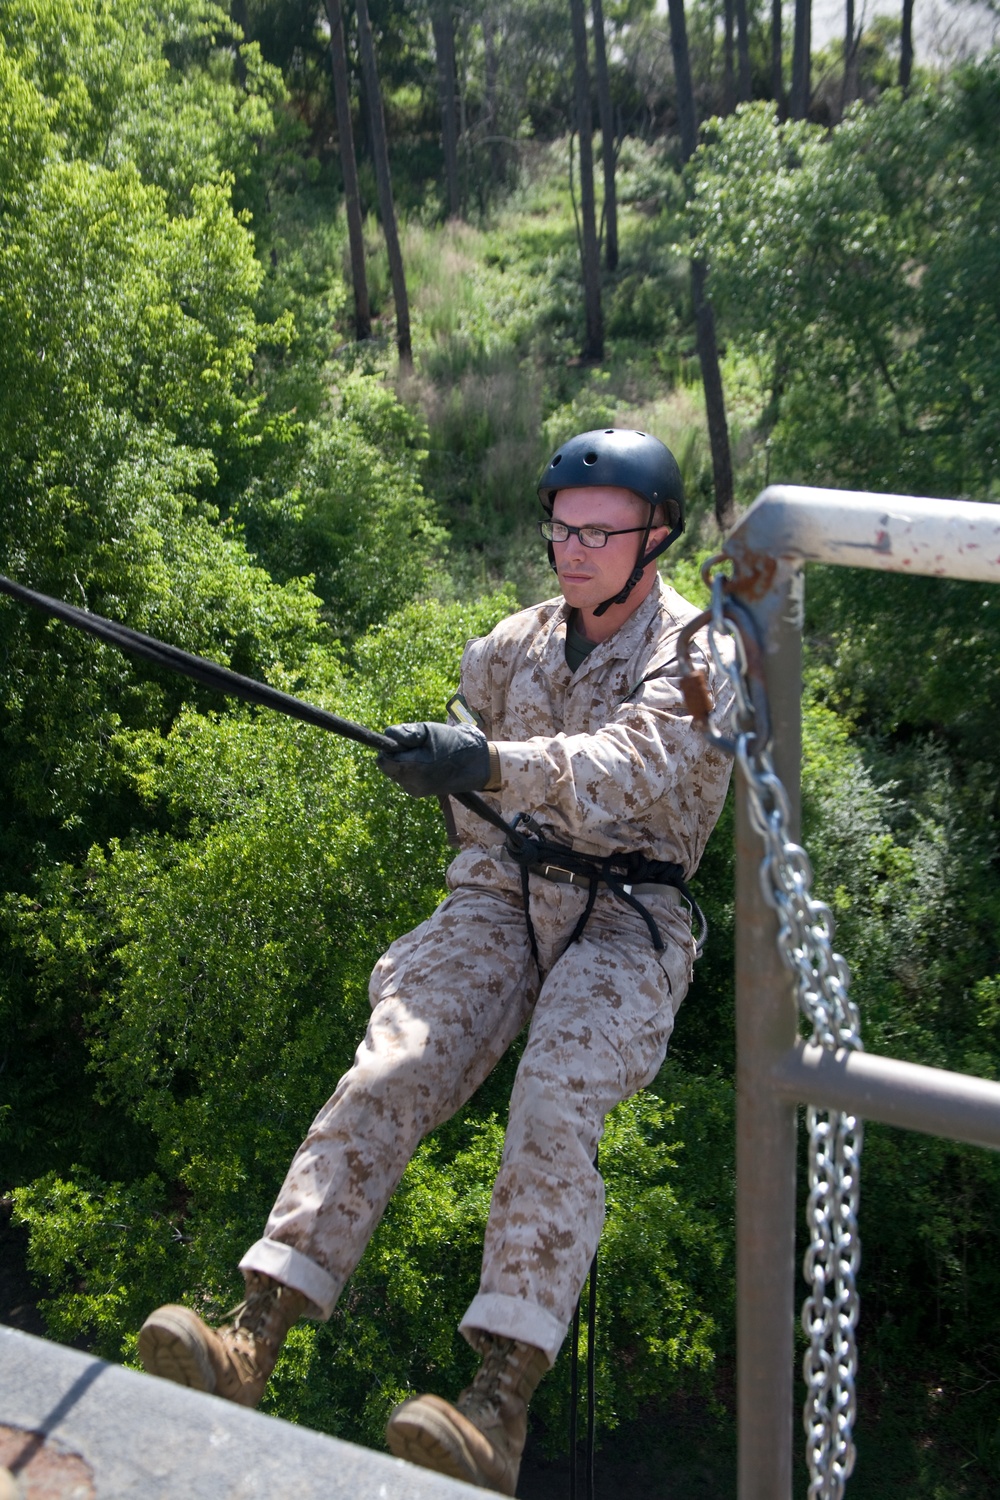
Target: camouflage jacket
[{"x": 607, "y": 758}]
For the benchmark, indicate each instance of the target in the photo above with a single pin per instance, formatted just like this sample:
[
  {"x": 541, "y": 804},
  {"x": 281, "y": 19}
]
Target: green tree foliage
[
  {"x": 227, "y": 960},
  {"x": 193, "y": 894},
  {"x": 348, "y": 507},
  {"x": 131, "y": 410},
  {"x": 127, "y": 340},
  {"x": 861, "y": 266},
  {"x": 152, "y": 85}
]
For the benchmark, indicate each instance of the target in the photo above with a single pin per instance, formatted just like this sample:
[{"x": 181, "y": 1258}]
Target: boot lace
[
  {"x": 254, "y": 1313},
  {"x": 494, "y": 1380}
]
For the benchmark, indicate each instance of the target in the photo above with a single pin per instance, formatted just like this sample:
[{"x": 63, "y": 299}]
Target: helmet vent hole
[
  {"x": 609, "y": 431},
  {"x": 590, "y": 458},
  {"x": 557, "y": 459}
]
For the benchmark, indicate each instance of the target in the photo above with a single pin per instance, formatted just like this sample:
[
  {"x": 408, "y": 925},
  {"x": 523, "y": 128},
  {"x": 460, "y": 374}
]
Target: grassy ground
[
  {"x": 497, "y": 326},
  {"x": 496, "y": 319}
]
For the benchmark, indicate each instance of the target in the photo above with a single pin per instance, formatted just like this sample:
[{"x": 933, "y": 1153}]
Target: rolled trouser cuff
[
  {"x": 513, "y": 1318},
  {"x": 292, "y": 1268}
]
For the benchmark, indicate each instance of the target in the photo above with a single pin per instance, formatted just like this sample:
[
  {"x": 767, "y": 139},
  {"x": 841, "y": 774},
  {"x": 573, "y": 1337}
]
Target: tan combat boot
[
  {"x": 234, "y": 1361},
  {"x": 481, "y": 1438}
]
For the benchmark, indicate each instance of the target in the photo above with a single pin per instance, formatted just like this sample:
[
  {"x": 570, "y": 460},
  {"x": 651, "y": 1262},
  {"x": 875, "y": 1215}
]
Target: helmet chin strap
[{"x": 644, "y": 559}]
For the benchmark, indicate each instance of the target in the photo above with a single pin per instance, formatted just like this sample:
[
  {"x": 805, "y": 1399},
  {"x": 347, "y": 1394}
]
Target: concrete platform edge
[{"x": 146, "y": 1438}]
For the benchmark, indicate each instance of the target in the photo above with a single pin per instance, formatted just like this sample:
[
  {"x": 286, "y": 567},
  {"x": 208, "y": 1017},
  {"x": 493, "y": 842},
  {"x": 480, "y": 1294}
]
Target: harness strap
[
  {"x": 531, "y": 851},
  {"x": 526, "y": 899}
]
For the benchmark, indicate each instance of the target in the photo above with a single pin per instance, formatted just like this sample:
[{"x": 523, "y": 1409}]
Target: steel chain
[{"x": 822, "y": 983}]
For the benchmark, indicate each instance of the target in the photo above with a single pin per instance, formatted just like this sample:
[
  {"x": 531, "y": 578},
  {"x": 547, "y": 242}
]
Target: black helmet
[{"x": 625, "y": 460}]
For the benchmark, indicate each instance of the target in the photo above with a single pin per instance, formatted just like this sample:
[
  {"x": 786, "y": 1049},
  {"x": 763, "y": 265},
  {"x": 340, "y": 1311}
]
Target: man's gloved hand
[{"x": 436, "y": 759}]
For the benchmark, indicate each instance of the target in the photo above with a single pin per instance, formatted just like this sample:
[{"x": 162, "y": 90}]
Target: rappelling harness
[{"x": 626, "y": 875}]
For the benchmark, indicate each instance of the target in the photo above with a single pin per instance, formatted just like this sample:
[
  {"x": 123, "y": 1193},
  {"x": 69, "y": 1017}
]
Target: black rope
[
  {"x": 591, "y": 1374},
  {"x": 210, "y": 674},
  {"x": 574, "y": 1379},
  {"x": 574, "y": 1396},
  {"x": 524, "y": 843},
  {"x": 527, "y": 849}
]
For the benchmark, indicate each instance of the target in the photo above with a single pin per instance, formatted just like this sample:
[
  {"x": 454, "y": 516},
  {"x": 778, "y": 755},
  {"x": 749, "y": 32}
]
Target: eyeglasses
[{"x": 590, "y": 536}]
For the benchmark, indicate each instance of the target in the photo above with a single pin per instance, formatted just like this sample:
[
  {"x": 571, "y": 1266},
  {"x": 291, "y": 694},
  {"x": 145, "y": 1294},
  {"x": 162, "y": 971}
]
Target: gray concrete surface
[{"x": 146, "y": 1439}]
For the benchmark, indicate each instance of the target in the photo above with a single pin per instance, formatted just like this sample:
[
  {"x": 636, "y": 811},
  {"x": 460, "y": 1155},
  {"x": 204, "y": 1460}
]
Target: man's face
[{"x": 589, "y": 575}]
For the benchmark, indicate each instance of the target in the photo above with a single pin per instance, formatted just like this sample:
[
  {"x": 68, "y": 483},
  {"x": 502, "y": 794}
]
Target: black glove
[{"x": 436, "y": 759}]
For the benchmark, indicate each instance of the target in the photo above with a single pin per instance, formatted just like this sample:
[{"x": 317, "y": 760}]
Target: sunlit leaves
[
  {"x": 351, "y": 511},
  {"x": 861, "y": 263},
  {"x": 136, "y": 81}
]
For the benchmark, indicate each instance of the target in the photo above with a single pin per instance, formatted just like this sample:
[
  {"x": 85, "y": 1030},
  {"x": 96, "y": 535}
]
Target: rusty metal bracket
[{"x": 727, "y": 615}]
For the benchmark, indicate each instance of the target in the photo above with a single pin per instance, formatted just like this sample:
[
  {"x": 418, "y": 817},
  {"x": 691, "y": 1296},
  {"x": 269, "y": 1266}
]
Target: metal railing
[{"x": 776, "y": 1070}]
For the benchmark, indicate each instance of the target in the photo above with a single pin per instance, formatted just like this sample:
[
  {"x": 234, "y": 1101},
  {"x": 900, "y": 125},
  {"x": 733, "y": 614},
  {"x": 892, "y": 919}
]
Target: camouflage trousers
[{"x": 448, "y": 999}]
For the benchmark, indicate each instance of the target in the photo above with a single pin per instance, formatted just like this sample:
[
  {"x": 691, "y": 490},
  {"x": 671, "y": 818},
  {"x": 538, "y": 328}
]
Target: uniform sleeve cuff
[{"x": 496, "y": 775}]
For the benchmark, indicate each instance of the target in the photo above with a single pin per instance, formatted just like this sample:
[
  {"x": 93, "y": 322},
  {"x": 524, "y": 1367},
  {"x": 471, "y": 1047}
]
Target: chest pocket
[{"x": 665, "y": 669}]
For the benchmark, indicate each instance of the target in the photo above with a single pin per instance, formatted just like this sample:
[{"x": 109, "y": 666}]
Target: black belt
[{"x": 571, "y": 877}]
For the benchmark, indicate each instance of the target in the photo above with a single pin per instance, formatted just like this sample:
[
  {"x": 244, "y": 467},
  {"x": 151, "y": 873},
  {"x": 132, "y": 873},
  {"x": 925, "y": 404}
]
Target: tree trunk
[
  {"x": 715, "y": 401},
  {"x": 594, "y": 341},
  {"x": 349, "y": 169},
  {"x": 444, "y": 45},
  {"x": 489, "y": 26},
  {"x": 801, "y": 57},
  {"x": 387, "y": 209},
  {"x": 745, "y": 88},
  {"x": 728, "y": 58},
  {"x": 777, "y": 77},
  {"x": 462, "y": 96},
  {"x": 238, "y": 11},
  {"x": 849, "y": 88},
  {"x": 708, "y": 353},
  {"x": 686, "y": 117},
  {"x": 607, "y": 138},
  {"x": 906, "y": 46}
]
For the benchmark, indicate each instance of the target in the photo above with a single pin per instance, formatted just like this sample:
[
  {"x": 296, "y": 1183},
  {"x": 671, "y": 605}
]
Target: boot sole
[
  {"x": 427, "y": 1438},
  {"x": 169, "y": 1347}
]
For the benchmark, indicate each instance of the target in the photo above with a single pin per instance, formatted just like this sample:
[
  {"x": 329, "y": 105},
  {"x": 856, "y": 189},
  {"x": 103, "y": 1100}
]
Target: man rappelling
[{"x": 571, "y": 721}]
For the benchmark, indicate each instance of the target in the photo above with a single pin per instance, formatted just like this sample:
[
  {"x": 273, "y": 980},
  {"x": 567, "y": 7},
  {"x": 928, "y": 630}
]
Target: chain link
[{"x": 822, "y": 984}]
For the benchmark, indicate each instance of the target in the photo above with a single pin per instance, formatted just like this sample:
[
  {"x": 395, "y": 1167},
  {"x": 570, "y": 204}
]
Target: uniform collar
[{"x": 627, "y": 639}]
